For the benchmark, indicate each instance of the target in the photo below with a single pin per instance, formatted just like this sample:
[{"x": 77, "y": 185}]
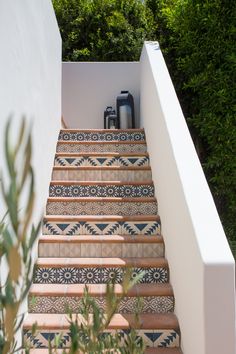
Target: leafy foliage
[
  {"x": 198, "y": 40},
  {"x": 17, "y": 237},
  {"x": 103, "y": 30},
  {"x": 88, "y": 330}
]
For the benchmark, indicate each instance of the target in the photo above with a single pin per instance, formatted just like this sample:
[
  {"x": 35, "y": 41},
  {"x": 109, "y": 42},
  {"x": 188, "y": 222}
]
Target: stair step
[
  {"x": 58, "y": 298},
  {"x": 101, "y": 146},
  {"x": 102, "y": 134},
  {"x": 100, "y": 246},
  {"x": 101, "y": 206},
  {"x": 98, "y": 271},
  {"x": 97, "y": 173},
  {"x": 84, "y": 160},
  {"x": 157, "y": 330},
  {"x": 102, "y": 189},
  {"x": 147, "y": 351},
  {"x": 101, "y": 225}
]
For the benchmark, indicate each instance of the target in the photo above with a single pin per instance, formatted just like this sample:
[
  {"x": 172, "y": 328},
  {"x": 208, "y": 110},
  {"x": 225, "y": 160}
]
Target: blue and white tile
[{"x": 101, "y": 136}]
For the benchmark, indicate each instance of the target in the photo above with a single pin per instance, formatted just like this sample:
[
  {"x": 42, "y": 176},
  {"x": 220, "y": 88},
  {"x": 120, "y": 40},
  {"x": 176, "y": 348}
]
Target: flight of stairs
[{"x": 101, "y": 217}]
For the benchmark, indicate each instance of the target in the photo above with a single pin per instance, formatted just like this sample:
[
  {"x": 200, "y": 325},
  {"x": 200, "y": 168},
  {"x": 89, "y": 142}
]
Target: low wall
[
  {"x": 201, "y": 263},
  {"x": 88, "y": 88}
]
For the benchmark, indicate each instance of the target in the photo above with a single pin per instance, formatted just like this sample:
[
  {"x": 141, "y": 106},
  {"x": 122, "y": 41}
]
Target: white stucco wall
[
  {"x": 200, "y": 260},
  {"x": 88, "y": 88},
  {"x": 30, "y": 81}
]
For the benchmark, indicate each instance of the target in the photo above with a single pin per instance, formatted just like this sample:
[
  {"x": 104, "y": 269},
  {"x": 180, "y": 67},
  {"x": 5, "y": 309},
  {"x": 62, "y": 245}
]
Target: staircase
[{"x": 101, "y": 217}]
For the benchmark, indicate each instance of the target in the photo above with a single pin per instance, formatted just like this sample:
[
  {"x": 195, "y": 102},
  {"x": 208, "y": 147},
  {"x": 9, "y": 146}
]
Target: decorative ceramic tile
[
  {"x": 102, "y": 136},
  {"x": 152, "y": 338},
  {"x": 101, "y": 175},
  {"x": 63, "y": 304},
  {"x": 101, "y": 228},
  {"x": 102, "y": 161},
  {"x": 70, "y": 250},
  {"x": 105, "y": 147},
  {"x": 91, "y": 249},
  {"x": 96, "y": 275},
  {"x": 101, "y": 208},
  {"x": 109, "y": 190},
  {"x": 48, "y": 249},
  {"x": 111, "y": 250}
]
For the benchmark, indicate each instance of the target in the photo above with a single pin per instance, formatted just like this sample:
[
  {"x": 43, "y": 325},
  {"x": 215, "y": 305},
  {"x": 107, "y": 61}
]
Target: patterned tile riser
[
  {"x": 84, "y": 191},
  {"x": 96, "y": 275},
  {"x": 102, "y": 228},
  {"x": 152, "y": 338},
  {"x": 128, "y": 305},
  {"x": 101, "y": 161},
  {"x": 106, "y": 147},
  {"x": 101, "y": 208},
  {"x": 102, "y": 175},
  {"x": 96, "y": 250},
  {"x": 102, "y": 136}
]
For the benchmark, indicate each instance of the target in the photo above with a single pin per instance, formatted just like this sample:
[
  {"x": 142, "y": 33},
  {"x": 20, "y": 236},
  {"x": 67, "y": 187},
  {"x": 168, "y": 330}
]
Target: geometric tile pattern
[
  {"x": 105, "y": 147},
  {"x": 101, "y": 208},
  {"x": 96, "y": 174},
  {"x": 128, "y": 305},
  {"x": 167, "y": 338},
  {"x": 101, "y": 228},
  {"x": 109, "y": 190},
  {"x": 101, "y": 249},
  {"x": 102, "y": 136},
  {"x": 102, "y": 161},
  {"x": 96, "y": 275}
]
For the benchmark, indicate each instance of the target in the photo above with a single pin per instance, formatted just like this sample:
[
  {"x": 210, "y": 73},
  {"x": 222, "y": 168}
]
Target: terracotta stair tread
[
  {"x": 102, "y": 262},
  {"x": 124, "y": 321},
  {"x": 101, "y": 238},
  {"x": 103, "y": 168},
  {"x": 100, "y": 218},
  {"x": 103, "y": 183},
  {"x": 104, "y": 154},
  {"x": 66, "y": 130},
  {"x": 147, "y": 351},
  {"x": 102, "y": 142},
  {"x": 100, "y": 290},
  {"x": 160, "y": 351},
  {"x": 102, "y": 199}
]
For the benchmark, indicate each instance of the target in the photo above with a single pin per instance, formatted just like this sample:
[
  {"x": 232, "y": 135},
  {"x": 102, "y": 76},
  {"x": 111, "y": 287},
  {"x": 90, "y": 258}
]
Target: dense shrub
[
  {"x": 103, "y": 30},
  {"x": 198, "y": 40}
]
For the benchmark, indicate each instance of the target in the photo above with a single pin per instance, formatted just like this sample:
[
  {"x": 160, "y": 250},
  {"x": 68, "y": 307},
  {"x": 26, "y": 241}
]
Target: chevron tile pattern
[
  {"x": 102, "y": 161},
  {"x": 101, "y": 219},
  {"x": 152, "y": 338},
  {"x": 101, "y": 228}
]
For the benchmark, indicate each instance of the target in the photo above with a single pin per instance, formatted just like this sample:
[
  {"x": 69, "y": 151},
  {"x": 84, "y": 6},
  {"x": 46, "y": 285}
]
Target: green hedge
[{"x": 198, "y": 41}]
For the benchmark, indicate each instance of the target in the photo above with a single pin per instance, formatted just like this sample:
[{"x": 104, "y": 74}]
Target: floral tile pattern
[
  {"x": 102, "y": 161},
  {"x": 96, "y": 275},
  {"x": 152, "y": 338},
  {"x": 128, "y": 305},
  {"x": 109, "y": 190},
  {"x": 102, "y": 136},
  {"x": 101, "y": 228},
  {"x": 106, "y": 147},
  {"x": 101, "y": 208}
]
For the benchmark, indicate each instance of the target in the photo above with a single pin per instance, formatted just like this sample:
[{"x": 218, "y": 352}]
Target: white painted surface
[
  {"x": 88, "y": 88},
  {"x": 201, "y": 263},
  {"x": 30, "y": 81}
]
